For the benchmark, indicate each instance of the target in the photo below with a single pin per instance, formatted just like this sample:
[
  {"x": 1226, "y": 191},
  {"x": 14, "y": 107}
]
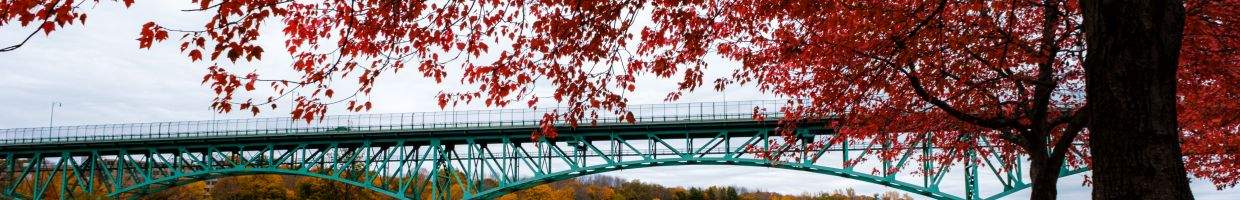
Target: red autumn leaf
[
  {"x": 48, "y": 27},
  {"x": 249, "y": 86},
  {"x": 195, "y": 55}
]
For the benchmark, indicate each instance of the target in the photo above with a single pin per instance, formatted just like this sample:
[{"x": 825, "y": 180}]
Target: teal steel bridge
[{"x": 479, "y": 154}]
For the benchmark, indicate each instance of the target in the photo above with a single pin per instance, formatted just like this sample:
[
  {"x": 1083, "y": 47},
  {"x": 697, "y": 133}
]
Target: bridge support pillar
[{"x": 970, "y": 176}]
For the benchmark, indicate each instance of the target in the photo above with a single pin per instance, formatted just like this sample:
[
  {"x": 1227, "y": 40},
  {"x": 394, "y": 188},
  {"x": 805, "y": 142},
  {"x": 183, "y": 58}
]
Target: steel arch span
[{"x": 465, "y": 160}]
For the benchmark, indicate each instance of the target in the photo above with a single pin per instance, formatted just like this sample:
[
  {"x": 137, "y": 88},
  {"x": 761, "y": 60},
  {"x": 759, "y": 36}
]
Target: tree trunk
[
  {"x": 1133, "y": 50},
  {"x": 1045, "y": 174}
]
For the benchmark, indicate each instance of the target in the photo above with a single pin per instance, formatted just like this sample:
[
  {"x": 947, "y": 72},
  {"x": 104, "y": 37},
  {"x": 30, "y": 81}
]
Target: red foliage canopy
[
  {"x": 1209, "y": 88},
  {"x": 1006, "y": 71}
]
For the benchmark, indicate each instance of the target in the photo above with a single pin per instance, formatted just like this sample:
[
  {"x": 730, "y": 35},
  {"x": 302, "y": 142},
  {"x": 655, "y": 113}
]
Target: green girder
[{"x": 482, "y": 163}]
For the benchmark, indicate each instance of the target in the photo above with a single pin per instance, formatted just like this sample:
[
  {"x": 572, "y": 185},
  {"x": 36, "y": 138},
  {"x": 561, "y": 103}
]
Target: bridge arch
[
  {"x": 488, "y": 153},
  {"x": 492, "y": 193}
]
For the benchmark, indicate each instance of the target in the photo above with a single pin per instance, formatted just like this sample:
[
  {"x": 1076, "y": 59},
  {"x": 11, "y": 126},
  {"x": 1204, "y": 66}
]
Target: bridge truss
[{"x": 457, "y": 155}]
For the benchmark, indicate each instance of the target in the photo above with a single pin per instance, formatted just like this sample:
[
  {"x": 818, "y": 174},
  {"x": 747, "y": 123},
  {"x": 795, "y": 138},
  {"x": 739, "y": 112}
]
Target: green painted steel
[{"x": 458, "y": 155}]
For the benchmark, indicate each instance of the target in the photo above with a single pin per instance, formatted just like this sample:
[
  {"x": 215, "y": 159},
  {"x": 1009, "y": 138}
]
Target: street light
[{"x": 51, "y": 117}]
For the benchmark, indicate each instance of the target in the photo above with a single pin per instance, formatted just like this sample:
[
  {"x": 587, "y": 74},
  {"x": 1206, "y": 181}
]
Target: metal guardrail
[{"x": 498, "y": 118}]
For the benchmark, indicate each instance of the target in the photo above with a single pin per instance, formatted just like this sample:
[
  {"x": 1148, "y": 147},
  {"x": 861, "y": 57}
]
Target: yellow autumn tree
[
  {"x": 196, "y": 190},
  {"x": 251, "y": 187},
  {"x": 540, "y": 192},
  {"x": 600, "y": 193},
  {"x": 320, "y": 189}
]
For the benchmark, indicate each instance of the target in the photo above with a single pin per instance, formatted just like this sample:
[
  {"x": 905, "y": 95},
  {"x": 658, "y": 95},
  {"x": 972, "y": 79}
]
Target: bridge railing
[{"x": 339, "y": 124}]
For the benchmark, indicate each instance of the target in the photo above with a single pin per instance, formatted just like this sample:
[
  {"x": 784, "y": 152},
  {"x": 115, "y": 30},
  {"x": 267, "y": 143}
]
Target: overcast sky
[{"x": 100, "y": 76}]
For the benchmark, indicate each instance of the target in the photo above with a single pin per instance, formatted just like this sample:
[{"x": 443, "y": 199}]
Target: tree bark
[
  {"x": 1130, "y": 67},
  {"x": 1045, "y": 174}
]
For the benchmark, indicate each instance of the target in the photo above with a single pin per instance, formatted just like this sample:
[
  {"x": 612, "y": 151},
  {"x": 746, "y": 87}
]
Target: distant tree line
[{"x": 598, "y": 187}]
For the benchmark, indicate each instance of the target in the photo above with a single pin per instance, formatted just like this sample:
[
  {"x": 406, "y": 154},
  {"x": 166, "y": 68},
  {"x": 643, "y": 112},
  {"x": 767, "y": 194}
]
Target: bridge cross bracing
[{"x": 479, "y": 154}]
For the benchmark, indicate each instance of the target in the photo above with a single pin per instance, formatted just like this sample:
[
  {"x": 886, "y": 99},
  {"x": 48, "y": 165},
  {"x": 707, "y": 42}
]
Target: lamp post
[{"x": 51, "y": 117}]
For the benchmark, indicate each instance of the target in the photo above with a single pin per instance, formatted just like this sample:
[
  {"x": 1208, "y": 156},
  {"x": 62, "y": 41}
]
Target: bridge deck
[
  {"x": 506, "y": 122},
  {"x": 690, "y": 129}
]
